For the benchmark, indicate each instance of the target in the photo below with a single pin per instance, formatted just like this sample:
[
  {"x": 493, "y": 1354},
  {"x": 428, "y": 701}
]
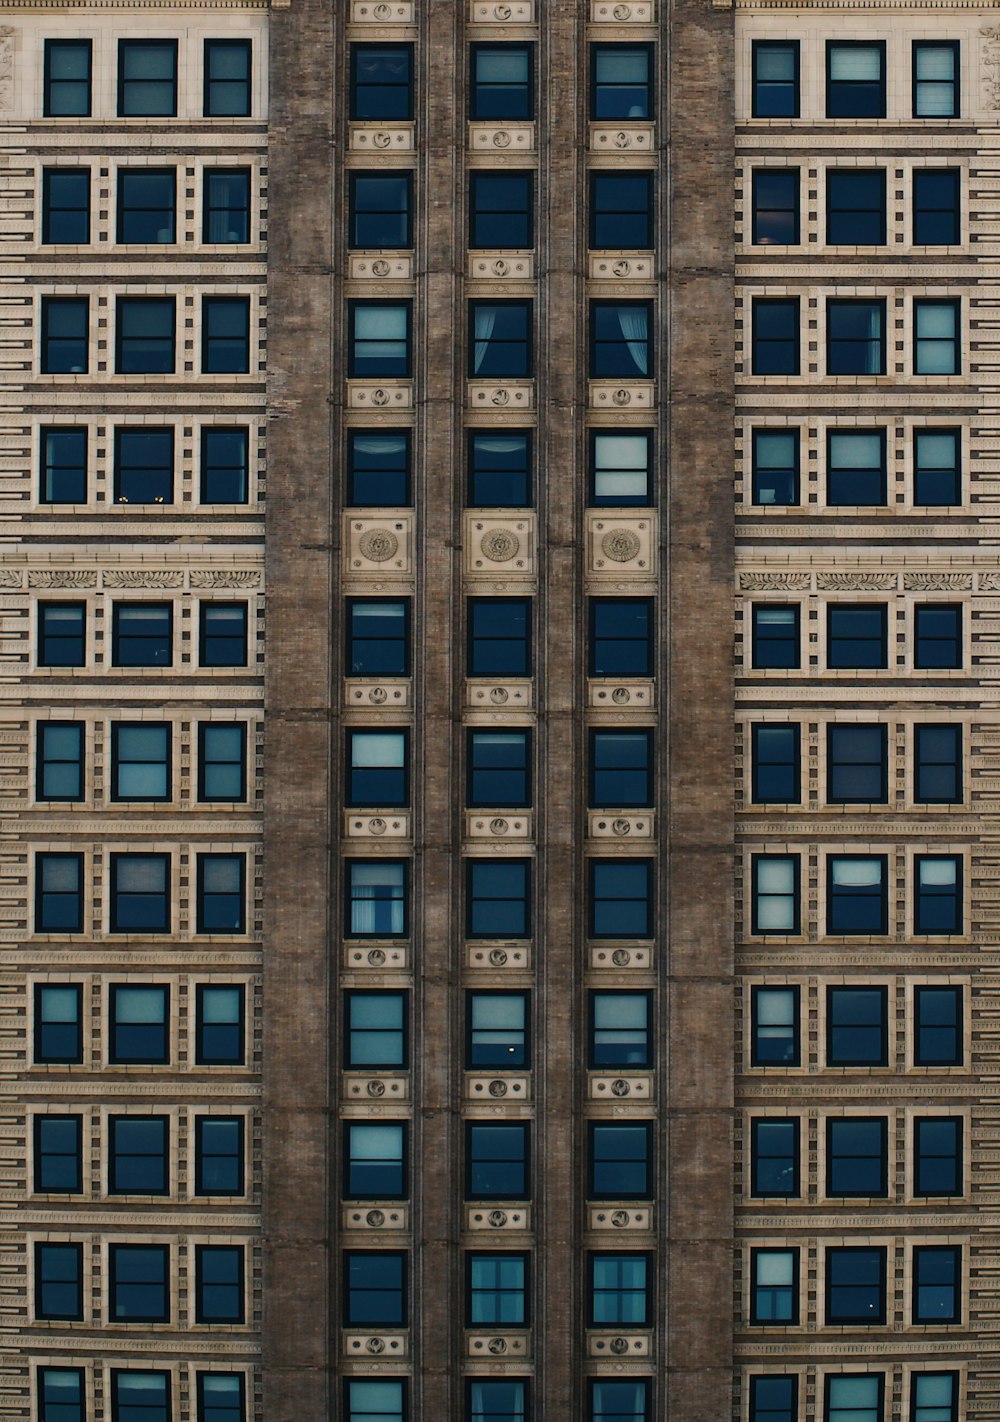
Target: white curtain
[
  {"x": 634, "y": 323},
  {"x": 486, "y": 319},
  {"x": 873, "y": 364}
]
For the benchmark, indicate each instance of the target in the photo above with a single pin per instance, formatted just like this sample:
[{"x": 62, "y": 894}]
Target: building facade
[{"x": 403, "y": 1019}]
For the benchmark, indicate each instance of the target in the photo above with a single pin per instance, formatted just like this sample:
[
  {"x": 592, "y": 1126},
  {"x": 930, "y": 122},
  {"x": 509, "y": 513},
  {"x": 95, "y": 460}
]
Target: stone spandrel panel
[
  {"x": 499, "y": 546},
  {"x": 381, "y": 140},
  {"x": 378, "y": 545},
  {"x": 513, "y": 139},
  {"x": 621, "y": 544}
]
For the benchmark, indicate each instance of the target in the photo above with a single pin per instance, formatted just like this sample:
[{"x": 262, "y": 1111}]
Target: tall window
[
  {"x": 855, "y": 79},
  {"x": 58, "y": 893},
  {"x": 621, "y": 898},
  {"x": 222, "y": 761},
  {"x": 147, "y": 78},
  {"x": 499, "y": 769},
  {"x": 621, "y": 468},
  {"x": 937, "y": 1284},
  {"x": 936, "y": 79},
  {"x": 59, "y": 760},
  {"x": 219, "y": 1291},
  {"x": 223, "y": 634},
  {"x": 376, "y": 769},
  {"x": 855, "y": 1286},
  {"x": 378, "y": 637},
  {"x": 938, "y": 764},
  {"x": 621, "y": 1030},
  {"x": 937, "y": 348},
  {"x": 857, "y": 763},
  {"x": 376, "y": 898},
  {"x": 500, "y": 339},
  {"x": 58, "y": 1155},
  {"x": 621, "y": 340},
  {"x": 937, "y": 467},
  {"x": 144, "y": 466},
  {"x": 855, "y": 1397},
  {"x": 857, "y": 894},
  {"x": 774, "y": 1398},
  {"x": 375, "y": 1288},
  {"x": 775, "y": 201},
  {"x": 378, "y": 468},
  {"x": 375, "y": 1163},
  {"x": 774, "y": 1287},
  {"x": 66, "y": 206},
  {"x": 65, "y": 337},
  {"x": 774, "y": 893},
  {"x": 938, "y": 1023},
  {"x": 381, "y": 210},
  {"x": 58, "y": 1281},
  {"x": 620, "y": 1160},
  {"x": 855, "y": 467},
  {"x": 140, "y": 761},
  {"x": 856, "y": 1164},
  {"x": 142, "y": 634},
  {"x": 375, "y": 1036},
  {"x": 138, "y": 1283},
  {"x": 221, "y": 893},
  {"x": 226, "y": 205},
  {"x": 58, "y": 1023},
  {"x": 775, "y": 466},
  {"x": 139, "y": 1019},
  {"x": 774, "y": 1157},
  {"x": 138, "y": 1155},
  {"x": 621, "y": 210},
  {"x": 621, "y": 768},
  {"x": 497, "y": 1161},
  {"x": 857, "y": 636},
  {"x": 142, "y": 1395},
  {"x": 147, "y": 205},
  {"x": 621, "y": 634},
  {"x": 775, "y": 336},
  {"x": 855, "y": 337},
  {"x": 218, "y": 1154},
  {"x": 938, "y": 906},
  {"x": 936, "y": 207},
  {"x": 937, "y": 1156},
  {"x": 857, "y": 1026},
  {"x": 63, "y": 472},
  {"x": 62, "y": 1394},
  {"x": 620, "y": 1290},
  {"x": 774, "y": 1027},
  {"x": 145, "y": 341},
  {"x": 621, "y": 78},
  {"x": 497, "y": 898},
  {"x": 500, "y": 468},
  {"x": 500, "y": 209},
  {"x": 855, "y": 207},
  {"x": 220, "y": 1026},
  {"x": 227, "y": 78},
  {"x": 221, "y": 1397},
  {"x": 67, "y": 78},
  {"x": 225, "y": 465},
  {"x": 140, "y": 893},
  {"x": 613, "y": 1401},
  {"x": 497, "y": 1291},
  {"x": 937, "y": 640},
  {"x": 499, "y": 636},
  {"x": 497, "y": 1028},
  {"x": 935, "y": 1397},
  {"x": 382, "y": 82},
  {"x": 501, "y": 82},
  {"x": 379, "y": 347},
  {"x": 775, "y": 763},
  {"x": 775, "y": 78},
  {"x": 225, "y": 335}
]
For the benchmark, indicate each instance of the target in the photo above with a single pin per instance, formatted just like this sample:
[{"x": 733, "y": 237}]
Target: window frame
[
  {"x": 755, "y": 1318},
  {"x": 477, "y": 213},
  {"x": 793, "y": 729},
  {"x": 484, "y": 736},
  {"x": 209, "y": 209},
  {"x": 649, "y": 929},
  {"x": 838, "y": 732},
  {"x": 833, "y": 638},
  {"x": 794, "y": 343},
  {"x": 115, "y": 860},
  {"x": 211, "y": 302},
  {"x": 916, "y": 208},
  {"x": 938, "y": 303},
  {"x": 404, "y": 1161},
  {"x": 349, "y": 931},
  {"x": 955, "y": 608},
  {"x": 123, "y": 341},
  {"x": 828, "y": 1415},
  {"x": 355, "y": 51},
  {"x": 648, "y": 1291},
  {"x": 796, "y": 896},
  {"x": 49, "y": 174},
  {"x": 594, "y": 1382},
  {"x": 597, "y": 604},
  {"x": 648, "y": 1188},
  {"x": 472, "y": 862},
  {"x": 793, "y": 1404},
  {"x": 957, "y": 993},
  {"x": 916, "y": 46},
  {"x": 81, "y": 1400},
  {"x": 43, "y": 760},
  {"x": 203, "y": 1317},
  {"x": 918, "y": 1373},
  {"x": 123, "y": 209},
  {"x": 879, "y": 989},
  {"x": 958, "y": 1127},
  {"x": 878, "y": 45},
  {"x": 794, "y": 178},
  {"x": 524, "y": 994},
  {"x": 838, "y": 470},
  {"x": 597, "y": 49},
  {"x": 594, "y": 212},
  {"x": 116, "y": 761},
  {"x": 834, "y": 342},
  {"x": 240, "y": 1026},
  {"x": 48, "y": 305},
  {"x": 841, "y": 1250},
  {"x": 206, "y": 607},
  {"x": 759, "y": 46},
  {"x": 649, "y": 769},
  {"x": 525, "y": 1256},
  {"x": 200, "y": 1121},
  {"x": 883, "y": 861},
  {"x": 835, "y": 1156},
  {"x": 164, "y": 1373},
  {"x": 472, "y": 1162},
  {"x": 349, "y": 1030},
  {"x": 148, "y": 1249},
  {"x": 41, "y": 859},
  {"x": 38, "y": 1057},
  {"x": 356, "y": 304},
  {"x": 124, "y": 46},
  {"x": 349, "y": 639},
  {"x": 596, "y": 347},
  {"x": 794, "y": 1124},
  {"x": 405, "y": 175},
  {"x": 202, "y": 924},
  {"x": 481, "y": 47},
  {"x": 204, "y": 731},
  {"x": 834, "y": 175},
  {"x": 87, "y": 47},
  {"x": 229, "y": 43},
  {"x": 39, "y": 1312},
  {"x": 795, "y": 992},
  {"x": 241, "y": 1381},
  {"x": 40, "y": 1153},
  {"x": 349, "y": 1319},
  {"x": 115, "y": 1057},
  {"x": 923, "y": 1251},
  {"x": 114, "y": 1120},
  {"x": 527, "y": 306},
  {"x": 49, "y": 470}
]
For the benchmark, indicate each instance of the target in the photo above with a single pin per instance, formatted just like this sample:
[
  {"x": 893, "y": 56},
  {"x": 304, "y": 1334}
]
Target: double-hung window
[
  {"x": 621, "y": 210},
  {"x": 856, "y": 1156},
  {"x": 227, "y": 78},
  {"x": 774, "y": 1157},
  {"x": 774, "y": 1287},
  {"x": 375, "y": 1400},
  {"x": 144, "y": 465},
  {"x": 621, "y": 636},
  {"x": 855, "y": 467},
  {"x": 68, "y": 65},
  {"x": 497, "y": 898},
  {"x": 499, "y": 769},
  {"x": 774, "y": 1398},
  {"x": 374, "y": 1288},
  {"x": 854, "y": 1397},
  {"x": 621, "y": 340},
  {"x": 937, "y": 1285},
  {"x": 58, "y": 1155},
  {"x": 375, "y": 1163},
  {"x": 381, "y": 210},
  {"x": 138, "y": 1155},
  {"x": 382, "y": 83},
  {"x": 225, "y": 335},
  {"x": 501, "y": 82},
  {"x": 147, "y": 205},
  {"x": 620, "y": 1160},
  {"x": 857, "y": 763},
  {"x": 857, "y": 894},
  {"x": 938, "y": 894},
  {"x": 616, "y": 1401},
  {"x": 855, "y": 337},
  {"x": 497, "y": 1400},
  {"x": 937, "y": 468},
  {"x": 221, "y": 893},
  {"x": 226, "y": 205},
  {"x": 936, "y": 207},
  {"x": 225, "y": 464},
  {"x": 140, "y": 893},
  {"x": 140, "y": 761},
  {"x": 219, "y": 1292},
  {"x": 138, "y": 1284},
  {"x": 499, "y": 468},
  {"x": 934, "y": 1397},
  {"x": 147, "y": 78},
  {"x": 58, "y": 1282},
  {"x": 620, "y": 1290},
  {"x": 220, "y": 1026},
  {"x": 378, "y": 637},
  {"x": 222, "y": 761},
  {"x": 775, "y": 772},
  {"x": 774, "y": 1027},
  {"x": 223, "y": 634},
  {"x": 379, "y": 346},
  {"x": 855, "y": 79},
  {"x": 857, "y": 1032},
  {"x": 59, "y": 760},
  {"x": 145, "y": 340},
  {"x": 857, "y": 636},
  {"x": 855, "y": 207},
  {"x": 621, "y": 1030},
  {"x": 775, "y": 202},
  {"x": 937, "y": 764},
  {"x": 58, "y": 893},
  {"x": 500, "y": 339},
  {"x": 775, "y": 79},
  {"x": 855, "y": 1286},
  {"x": 65, "y": 336},
  {"x": 141, "y": 634},
  {"x": 621, "y": 898},
  {"x": 63, "y": 468},
  {"x": 376, "y": 898},
  {"x": 621, "y": 468},
  {"x": 937, "y": 639},
  {"x": 141, "y": 1395},
  {"x": 775, "y": 335},
  {"x": 497, "y": 1028},
  {"x": 938, "y": 1026},
  {"x": 774, "y": 889},
  {"x": 375, "y": 1031},
  {"x": 500, "y": 209},
  {"x": 621, "y": 768},
  {"x": 775, "y": 466},
  {"x": 621, "y": 80},
  {"x": 377, "y": 768},
  {"x": 378, "y": 468},
  {"x": 937, "y": 337},
  {"x": 221, "y": 1397},
  {"x": 66, "y": 206},
  {"x": 937, "y": 1156},
  {"x": 499, "y": 636},
  {"x": 497, "y": 1290},
  {"x": 497, "y": 1161},
  {"x": 218, "y": 1155},
  {"x": 139, "y": 1024},
  {"x": 58, "y": 1024},
  {"x": 936, "y": 79}
]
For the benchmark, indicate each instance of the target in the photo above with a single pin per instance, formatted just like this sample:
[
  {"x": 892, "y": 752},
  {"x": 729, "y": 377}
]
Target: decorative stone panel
[
  {"x": 382, "y": 1218},
  {"x": 508, "y": 395},
  {"x": 620, "y": 1088},
  {"x": 618, "y": 1345},
  {"x": 502, "y": 266},
  {"x": 500, "y": 826},
  {"x": 392, "y": 694},
  {"x": 507, "y": 1088},
  {"x": 621, "y": 14},
  {"x": 498, "y": 957},
  {"x": 381, "y": 268},
  {"x": 379, "y": 395},
  {"x": 502, "y": 138},
  {"x": 379, "y": 545},
  {"x": 620, "y": 139},
  {"x": 498, "y": 1218},
  {"x": 620, "y": 544},
  {"x": 627, "y": 825},
  {"x": 606, "y": 395},
  {"x": 621, "y": 957},
  {"x": 378, "y": 957},
  {"x": 499, "y": 546},
  {"x": 621, "y": 1218},
  {"x": 518, "y": 12},
  {"x": 499, "y": 696},
  {"x": 382, "y": 139},
  {"x": 621, "y": 267},
  {"x": 368, "y": 1088},
  {"x": 365, "y": 826},
  {"x": 365, "y": 12},
  {"x": 376, "y": 1345},
  {"x": 496, "y": 1345},
  {"x": 617, "y": 695}
]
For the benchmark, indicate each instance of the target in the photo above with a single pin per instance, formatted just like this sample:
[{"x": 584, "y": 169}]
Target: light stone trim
[
  {"x": 493, "y": 1346},
  {"x": 502, "y": 266},
  {"x": 621, "y": 824},
  {"x": 608, "y": 1344},
  {"x": 502, "y": 138},
  {"x": 499, "y": 825},
  {"x": 381, "y": 139},
  {"x": 498, "y": 1087},
  {"x": 498, "y": 1219},
  {"x": 369, "y": 1346}
]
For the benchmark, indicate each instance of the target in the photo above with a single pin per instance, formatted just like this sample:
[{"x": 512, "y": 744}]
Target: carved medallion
[
  {"x": 498, "y": 1088},
  {"x": 500, "y": 397},
  {"x": 499, "y": 695},
  {"x": 374, "y": 1345},
  {"x": 381, "y": 267},
  {"x": 500, "y": 267},
  {"x": 620, "y": 1088},
  {"x": 623, "y": 139},
  {"x": 621, "y": 695},
  {"x": 381, "y": 139},
  {"x": 502, "y": 12},
  {"x": 621, "y": 545},
  {"x": 618, "y": 1345},
  {"x": 376, "y": 957},
  {"x": 376, "y": 825},
  {"x": 622, "y": 267},
  {"x": 498, "y": 957},
  {"x": 375, "y": 1219},
  {"x": 497, "y": 1218},
  {"x": 500, "y": 545},
  {"x": 621, "y": 957},
  {"x": 623, "y": 12},
  {"x": 378, "y": 695},
  {"x": 497, "y": 1346},
  {"x": 622, "y": 397},
  {"x": 376, "y": 1088},
  {"x": 621, "y": 828},
  {"x": 501, "y": 139},
  {"x": 378, "y": 545},
  {"x": 499, "y": 826},
  {"x": 619, "y": 1218},
  {"x": 380, "y": 397}
]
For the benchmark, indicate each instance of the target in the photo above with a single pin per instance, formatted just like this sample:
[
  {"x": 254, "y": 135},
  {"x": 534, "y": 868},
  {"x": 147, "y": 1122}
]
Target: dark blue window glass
[
  {"x": 138, "y": 1149},
  {"x": 226, "y": 205},
  {"x": 774, "y": 1157},
  {"x": 775, "y": 466},
  {"x": 855, "y": 207},
  {"x": 497, "y": 1024},
  {"x": 142, "y": 634},
  {"x": 621, "y": 82},
  {"x": 378, "y": 641},
  {"x": 381, "y": 210},
  {"x": 621, "y": 636},
  {"x": 775, "y": 336},
  {"x": 621, "y": 768},
  {"x": 145, "y": 335},
  {"x": 62, "y": 1395},
  {"x": 59, "y": 893},
  {"x": 621, "y": 898},
  {"x": 937, "y": 635},
  {"x": 776, "y": 638},
  {"x": 59, "y": 760},
  {"x": 938, "y": 1038},
  {"x": 500, "y": 468},
  {"x": 855, "y": 467},
  {"x": 857, "y": 896},
  {"x": 227, "y": 78},
  {"x": 855, "y": 337},
  {"x": 375, "y": 1035},
  {"x": 855, "y": 79},
  {"x": 59, "y": 1281},
  {"x": 63, "y": 472},
  {"x": 937, "y": 468},
  {"x": 936, "y": 207},
  {"x": 219, "y": 1283},
  {"x": 147, "y": 78},
  {"x": 225, "y": 465},
  {"x": 221, "y": 1397},
  {"x": 220, "y": 1030},
  {"x": 64, "y": 335},
  {"x": 218, "y": 1155},
  {"x": 774, "y": 1027},
  {"x": 856, "y": 1156},
  {"x": 500, "y": 339},
  {"x": 937, "y": 1284},
  {"x": 620, "y": 1161},
  {"x": 67, "y": 83},
  {"x": 139, "y": 1024},
  {"x": 500, "y": 209},
  {"x": 66, "y": 206},
  {"x": 501, "y": 85},
  {"x": 775, "y": 752},
  {"x": 499, "y": 636},
  {"x": 857, "y": 1026},
  {"x": 857, "y": 763},
  {"x": 223, "y": 641},
  {"x": 938, "y": 906},
  {"x": 375, "y": 1166},
  {"x": 937, "y": 1155},
  {"x": 58, "y": 1155},
  {"x": 499, "y": 769},
  {"x": 376, "y": 898},
  {"x": 621, "y": 210},
  {"x": 147, "y": 205},
  {"x": 144, "y": 466},
  {"x": 222, "y": 761},
  {"x": 140, "y": 893},
  {"x": 58, "y": 1023},
  {"x": 225, "y": 335},
  {"x": 775, "y": 79},
  {"x": 621, "y": 340},
  {"x": 379, "y": 347},
  {"x": 497, "y": 1165},
  {"x": 375, "y": 1289},
  {"x": 377, "y": 769},
  {"x": 774, "y": 1399},
  {"x": 855, "y": 1285},
  {"x": 139, "y": 1283},
  {"x": 382, "y": 82},
  {"x": 497, "y": 892},
  {"x": 222, "y": 893},
  {"x": 938, "y": 764},
  {"x": 775, "y": 194},
  {"x": 140, "y": 1397},
  {"x": 857, "y": 636}
]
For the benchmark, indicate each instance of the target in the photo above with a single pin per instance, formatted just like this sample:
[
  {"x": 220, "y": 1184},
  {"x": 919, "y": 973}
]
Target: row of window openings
[
  {"x": 621, "y": 644},
  {"x": 857, "y": 1157},
  {"x": 857, "y": 467},
  {"x": 856, "y": 1397},
  {"x": 140, "y": 893},
  {"x": 857, "y": 1026},
  {"x": 144, "y": 465},
  {"x": 139, "y": 1283},
  {"x": 855, "y": 207},
  {"x": 856, "y": 79},
  {"x": 857, "y": 894},
  {"x": 147, "y": 206},
  {"x": 857, "y": 764},
  {"x": 139, "y": 1396},
  {"x": 139, "y": 1155},
  {"x": 147, "y": 78},
  {"x": 138, "y": 1025},
  {"x": 376, "y": 896},
  {"x": 857, "y": 636},
  {"x": 141, "y": 761},
  {"x": 856, "y": 336},
  {"x": 856, "y": 1287},
  {"x": 142, "y": 634},
  {"x": 145, "y": 335}
]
